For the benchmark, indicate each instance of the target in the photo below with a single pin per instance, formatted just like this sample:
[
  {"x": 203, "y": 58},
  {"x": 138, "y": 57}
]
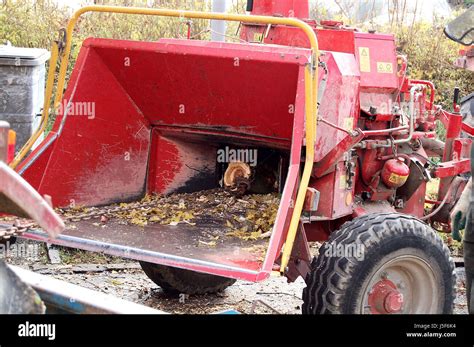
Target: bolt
[
  {"x": 393, "y": 302},
  {"x": 401, "y": 285},
  {"x": 384, "y": 275}
]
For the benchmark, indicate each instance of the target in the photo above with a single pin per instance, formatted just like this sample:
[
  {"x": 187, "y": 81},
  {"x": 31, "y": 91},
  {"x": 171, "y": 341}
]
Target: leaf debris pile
[{"x": 249, "y": 218}]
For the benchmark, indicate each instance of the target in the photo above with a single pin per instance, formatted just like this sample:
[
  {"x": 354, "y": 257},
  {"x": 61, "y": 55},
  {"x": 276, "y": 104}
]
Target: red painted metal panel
[
  {"x": 285, "y": 8},
  {"x": 378, "y": 68},
  {"x": 135, "y": 87},
  {"x": 462, "y": 148},
  {"x": 250, "y": 51},
  {"x": 415, "y": 206},
  {"x": 452, "y": 168},
  {"x": 285, "y": 211},
  {"x": 325, "y": 185},
  {"x": 180, "y": 165},
  {"x": 336, "y": 198},
  {"x": 377, "y": 56},
  {"x": 205, "y": 87},
  {"x": 468, "y": 129},
  {"x": 98, "y": 158},
  {"x": 322, "y": 166},
  {"x": 339, "y": 103},
  {"x": 328, "y": 39},
  {"x": 138, "y": 251}
]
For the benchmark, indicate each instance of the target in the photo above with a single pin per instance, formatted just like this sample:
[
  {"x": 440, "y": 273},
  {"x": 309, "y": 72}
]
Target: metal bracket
[{"x": 300, "y": 259}]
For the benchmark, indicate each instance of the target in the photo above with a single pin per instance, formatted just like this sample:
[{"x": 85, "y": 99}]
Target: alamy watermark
[
  {"x": 28, "y": 329},
  {"x": 19, "y": 250},
  {"x": 348, "y": 251},
  {"x": 230, "y": 155},
  {"x": 77, "y": 108},
  {"x": 397, "y": 107}
]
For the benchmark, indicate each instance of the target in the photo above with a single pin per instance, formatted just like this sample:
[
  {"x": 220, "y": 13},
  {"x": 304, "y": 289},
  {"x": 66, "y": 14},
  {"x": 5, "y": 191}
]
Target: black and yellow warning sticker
[
  {"x": 383, "y": 67},
  {"x": 364, "y": 59}
]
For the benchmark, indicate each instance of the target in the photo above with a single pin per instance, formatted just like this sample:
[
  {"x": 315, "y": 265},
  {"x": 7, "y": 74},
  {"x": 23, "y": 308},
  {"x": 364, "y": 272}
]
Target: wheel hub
[{"x": 385, "y": 298}]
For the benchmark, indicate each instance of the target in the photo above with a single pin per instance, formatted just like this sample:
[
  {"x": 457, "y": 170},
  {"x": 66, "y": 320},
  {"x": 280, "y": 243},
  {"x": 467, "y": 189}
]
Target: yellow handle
[
  {"x": 311, "y": 88},
  {"x": 45, "y": 113}
]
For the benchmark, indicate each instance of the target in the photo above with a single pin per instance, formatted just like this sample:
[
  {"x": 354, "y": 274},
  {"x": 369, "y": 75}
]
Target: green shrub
[
  {"x": 431, "y": 56},
  {"x": 30, "y": 23}
]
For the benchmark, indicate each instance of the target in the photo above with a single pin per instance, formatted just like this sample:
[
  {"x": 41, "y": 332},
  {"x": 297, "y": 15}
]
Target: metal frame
[{"x": 19, "y": 195}]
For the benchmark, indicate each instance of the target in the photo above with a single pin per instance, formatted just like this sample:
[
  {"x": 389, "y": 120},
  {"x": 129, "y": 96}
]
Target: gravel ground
[
  {"x": 125, "y": 280},
  {"x": 461, "y": 299},
  {"x": 274, "y": 296}
]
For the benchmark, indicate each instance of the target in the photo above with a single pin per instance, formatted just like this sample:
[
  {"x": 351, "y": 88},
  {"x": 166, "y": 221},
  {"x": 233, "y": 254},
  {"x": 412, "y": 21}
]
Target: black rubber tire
[
  {"x": 335, "y": 284},
  {"x": 179, "y": 281}
]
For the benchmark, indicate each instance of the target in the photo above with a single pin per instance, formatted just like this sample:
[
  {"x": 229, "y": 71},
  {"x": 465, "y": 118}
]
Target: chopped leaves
[{"x": 246, "y": 218}]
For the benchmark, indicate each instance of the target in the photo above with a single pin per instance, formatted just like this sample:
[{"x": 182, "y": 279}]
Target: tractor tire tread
[{"x": 330, "y": 277}]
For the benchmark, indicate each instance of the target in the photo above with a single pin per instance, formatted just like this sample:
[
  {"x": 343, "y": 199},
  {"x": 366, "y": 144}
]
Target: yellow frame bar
[
  {"x": 311, "y": 88},
  {"x": 45, "y": 114}
]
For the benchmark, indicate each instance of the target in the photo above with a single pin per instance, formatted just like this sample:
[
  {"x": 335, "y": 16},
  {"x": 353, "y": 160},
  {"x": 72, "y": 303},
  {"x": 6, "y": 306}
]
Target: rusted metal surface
[{"x": 300, "y": 261}]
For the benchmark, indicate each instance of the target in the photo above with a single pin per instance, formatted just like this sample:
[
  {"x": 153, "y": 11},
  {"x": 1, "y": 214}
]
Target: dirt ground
[{"x": 124, "y": 279}]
